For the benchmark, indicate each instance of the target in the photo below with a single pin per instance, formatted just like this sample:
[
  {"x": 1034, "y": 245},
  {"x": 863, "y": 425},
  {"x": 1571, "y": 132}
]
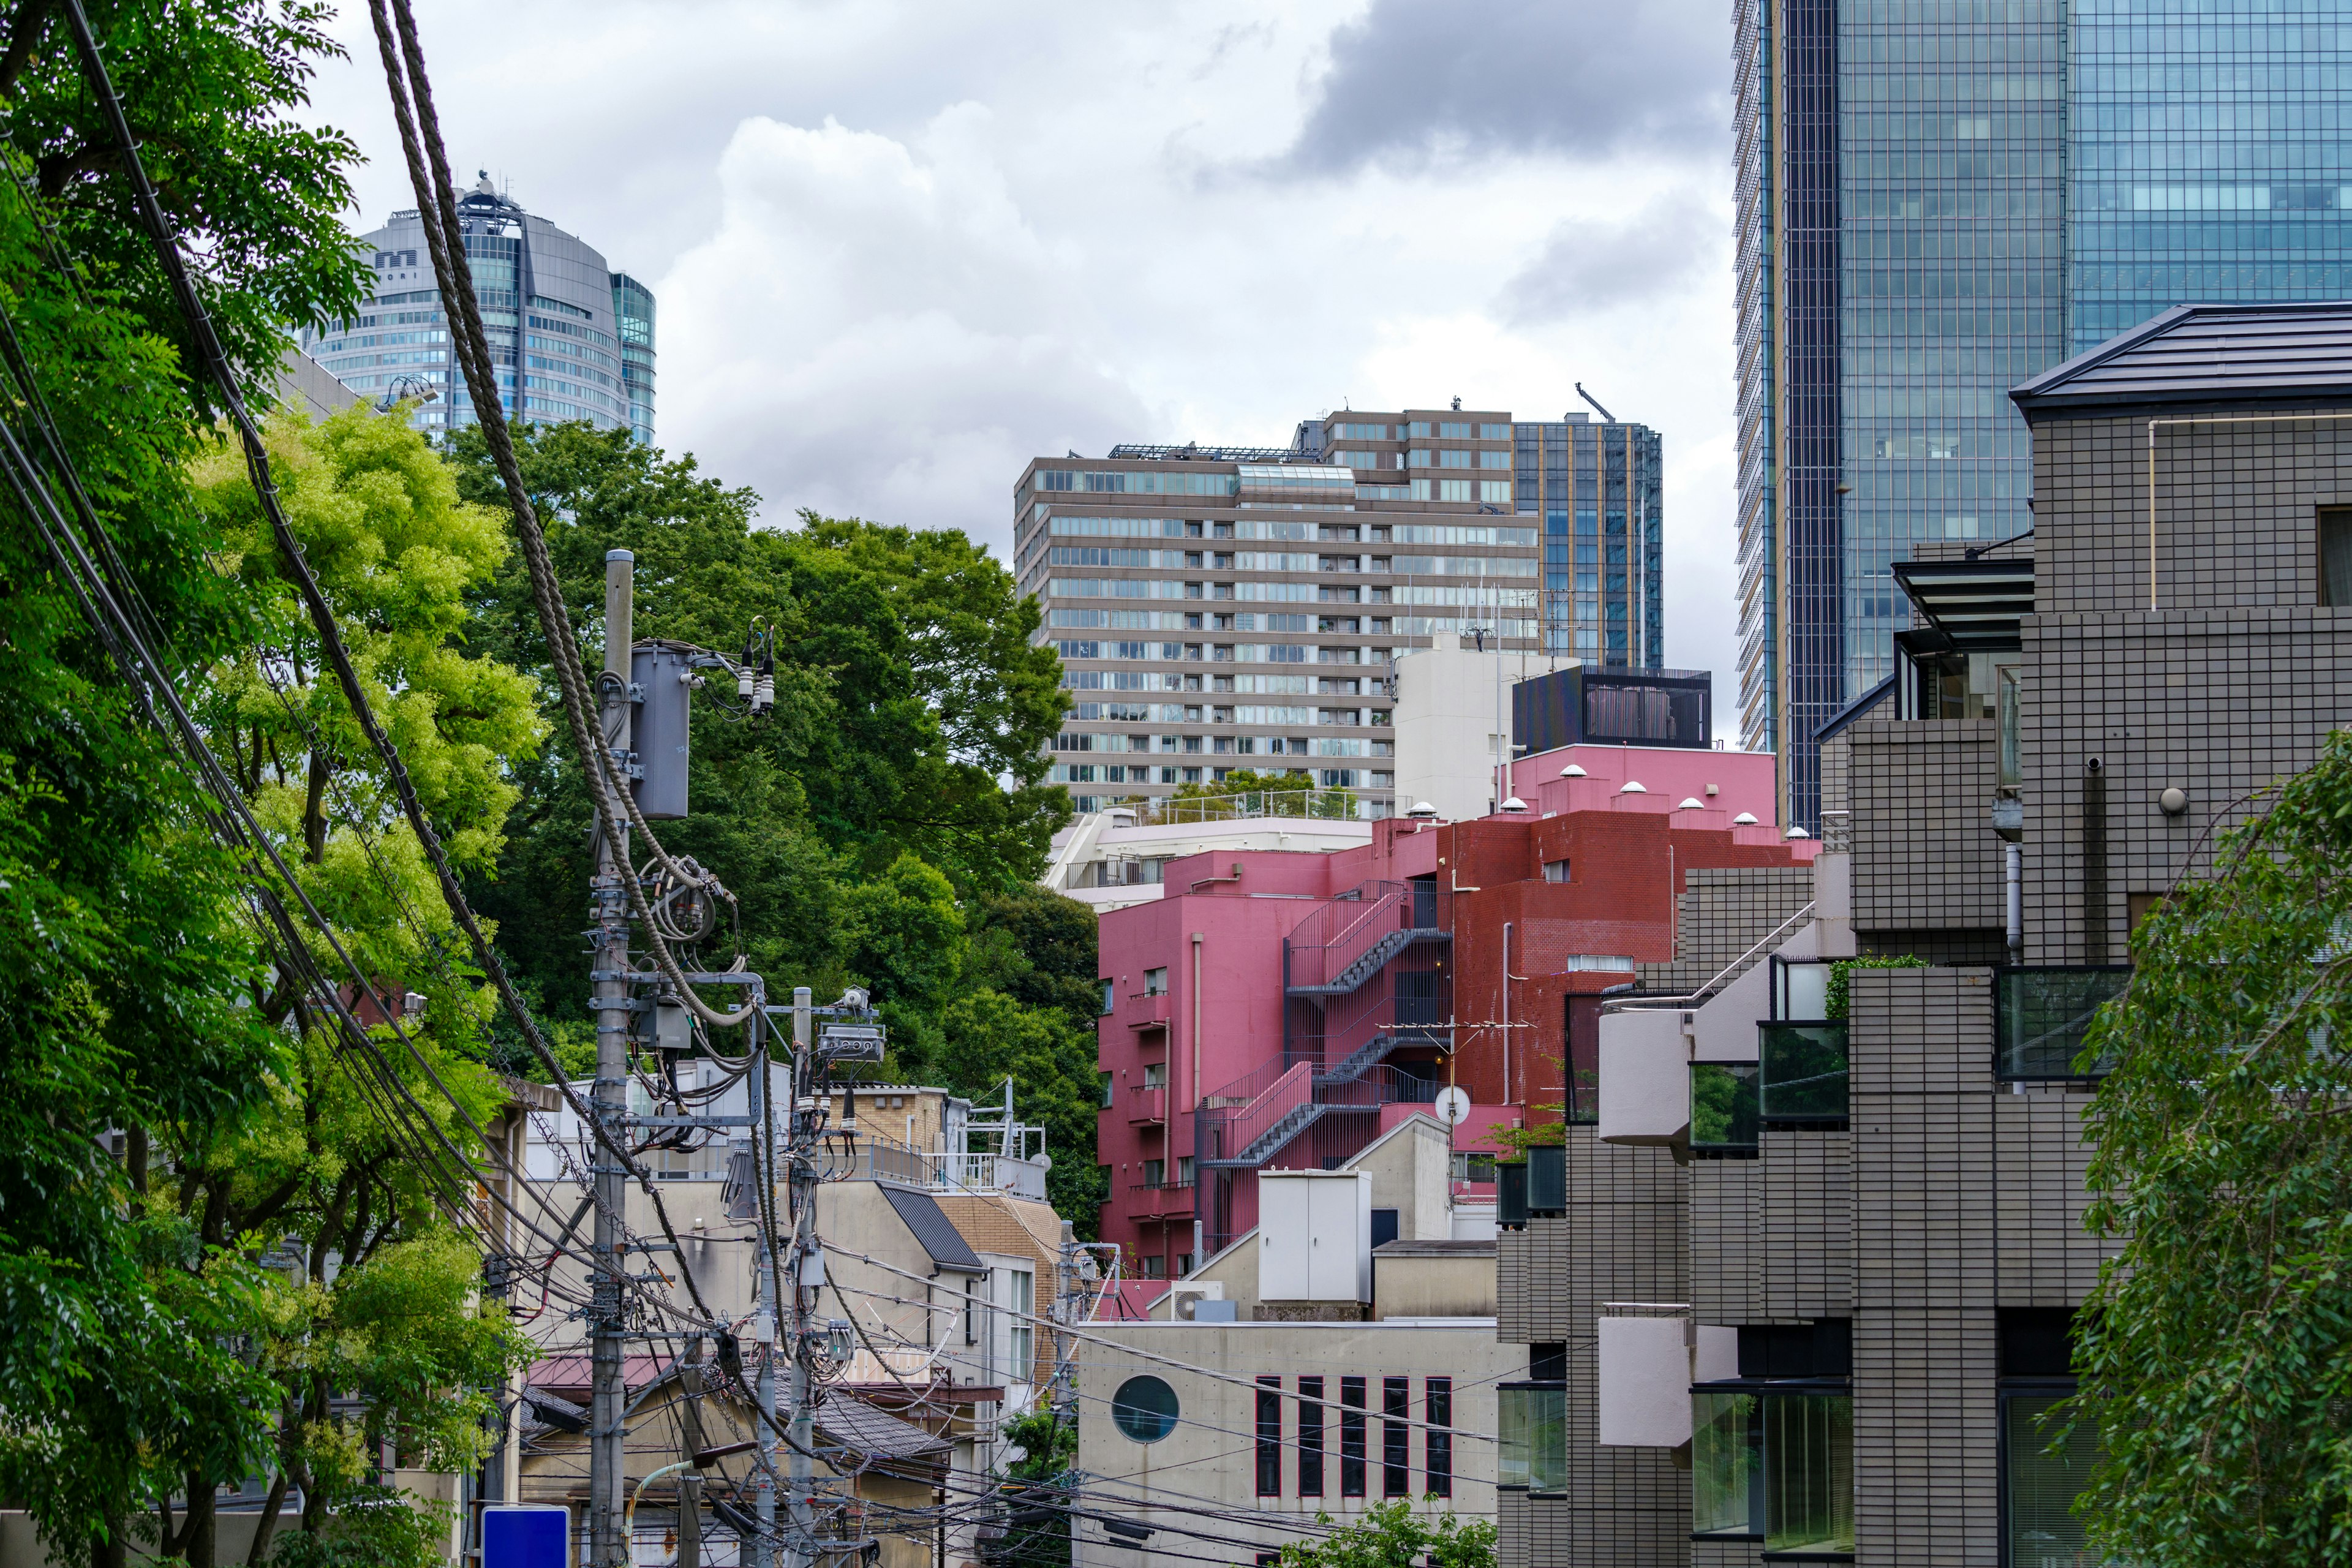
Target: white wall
[{"x": 1447, "y": 732}]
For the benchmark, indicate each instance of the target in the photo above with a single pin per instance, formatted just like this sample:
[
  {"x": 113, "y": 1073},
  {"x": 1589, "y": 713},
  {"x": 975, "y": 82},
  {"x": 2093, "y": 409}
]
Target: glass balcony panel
[
  {"x": 2042, "y": 1485},
  {"x": 1511, "y": 1194},
  {"x": 2040, "y": 1016},
  {"x": 1808, "y": 1475},
  {"x": 1726, "y": 1464},
  {"x": 1547, "y": 1179},
  {"x": 1803, "y": 1076},
  {"x": 1531, "y": 1422},
  {"x": 1724, "y": 1114}
]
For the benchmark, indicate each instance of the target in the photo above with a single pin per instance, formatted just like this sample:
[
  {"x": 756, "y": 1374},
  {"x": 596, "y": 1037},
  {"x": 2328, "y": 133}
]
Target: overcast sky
[{"x": 900, "y": 248}]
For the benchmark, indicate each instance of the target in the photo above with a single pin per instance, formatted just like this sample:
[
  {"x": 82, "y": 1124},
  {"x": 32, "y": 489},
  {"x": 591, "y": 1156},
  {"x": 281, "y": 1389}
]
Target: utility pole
[
  {"x": 808, "y": 1259},
  {"x": 607, "y": 1472},
  {"x": 762, "y": 1085}
]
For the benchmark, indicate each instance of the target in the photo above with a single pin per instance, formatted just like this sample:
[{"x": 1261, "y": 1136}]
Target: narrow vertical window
[
  {"x": 2336, "y": 559},
  {"x": 1351, "y": 1436},
  {"x": 1269, "y": 1436},
  {"x": 1439, "y": 1409},
  {"x": 1396, "y": 1437},
  {"x": 1310, "y": 1436}
]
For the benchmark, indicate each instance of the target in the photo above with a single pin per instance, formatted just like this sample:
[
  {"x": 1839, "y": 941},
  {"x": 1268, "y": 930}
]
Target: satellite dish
[{"x": 1451, "y": 1106}]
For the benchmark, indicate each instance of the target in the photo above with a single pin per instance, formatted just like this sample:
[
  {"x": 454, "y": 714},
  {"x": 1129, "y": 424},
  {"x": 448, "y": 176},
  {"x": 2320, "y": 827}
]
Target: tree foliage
[
  {"x": 128, "y": 959},
  {"x": 1391, "y": 1535},
  {"x": 2216, "y": 1352},
  {"x": 1036, "y": 1489},
  {"x": 868, "y": 828}
]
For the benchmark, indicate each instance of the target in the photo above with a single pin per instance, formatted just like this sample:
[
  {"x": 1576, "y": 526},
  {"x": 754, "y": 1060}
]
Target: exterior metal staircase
[{"x": 1372, "y": 961}]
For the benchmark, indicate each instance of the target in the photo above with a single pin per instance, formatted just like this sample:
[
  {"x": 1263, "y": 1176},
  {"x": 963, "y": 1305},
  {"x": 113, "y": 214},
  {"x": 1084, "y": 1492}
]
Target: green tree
[
  {"x": 1391, "y": 1535},
  {"x": 1037, "y": 1491},
  {"x": 989, "y": 1037},
  {"x": 396, "y": 554},
  {"x": 2215, "y": 1355},
  {"x": 128, "y": 958},
  {"x": 1037, "y": 947}
]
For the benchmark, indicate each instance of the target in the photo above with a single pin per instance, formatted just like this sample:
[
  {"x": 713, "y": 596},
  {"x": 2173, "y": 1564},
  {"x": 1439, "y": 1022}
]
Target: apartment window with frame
[
  {"x": 2335, "y": 558},
  {"x": 1351, "y": 1436},
  {"x": 1021, "y": 1334},
  {"x": 1269, "y": 1436},
  {"x": 1310, "y": 1436},
  {"x": 1396, "y": 1437},
  {"x": 1437, "y": 1408}
]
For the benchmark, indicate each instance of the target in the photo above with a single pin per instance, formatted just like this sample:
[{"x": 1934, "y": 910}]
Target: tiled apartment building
[
  {"x": 1805, "y": 1288},
  {"x": 1219, "y": 608}
]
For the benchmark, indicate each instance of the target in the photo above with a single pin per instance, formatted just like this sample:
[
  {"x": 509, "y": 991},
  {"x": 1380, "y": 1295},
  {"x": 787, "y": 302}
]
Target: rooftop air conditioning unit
[{"x": 1185, "y": 1302}]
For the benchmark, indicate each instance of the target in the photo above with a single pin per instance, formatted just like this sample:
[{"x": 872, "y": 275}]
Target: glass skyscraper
[
  {"x": 570, "y": 338},
  {"x": 1940, "y": 198}
]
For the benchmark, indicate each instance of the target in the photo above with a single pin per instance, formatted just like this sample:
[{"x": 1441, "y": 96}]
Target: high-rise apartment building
[
  {"x": 1934, "y": 204},
  {"x": 1221, "y": 608},
  {"x": 571, "y": 338}
]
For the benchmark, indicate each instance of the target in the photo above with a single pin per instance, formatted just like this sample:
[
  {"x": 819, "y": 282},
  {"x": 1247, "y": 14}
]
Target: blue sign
[{"x": 526, "y": 1535}]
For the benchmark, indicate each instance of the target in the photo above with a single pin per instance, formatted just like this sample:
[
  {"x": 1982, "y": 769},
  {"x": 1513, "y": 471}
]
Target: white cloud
[{"x": 900, "y": 248}]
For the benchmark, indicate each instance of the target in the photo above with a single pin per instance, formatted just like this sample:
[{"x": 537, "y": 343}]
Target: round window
[{"x": 1144, "y": 1409}]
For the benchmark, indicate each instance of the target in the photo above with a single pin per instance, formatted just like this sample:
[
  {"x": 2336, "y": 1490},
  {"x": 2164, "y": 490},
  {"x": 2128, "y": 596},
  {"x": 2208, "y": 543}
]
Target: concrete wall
[
  {"x": 1622, "y": 1240},
  {"x": 1450, "y": 723},
  {"x": 1206, "y": 1460}
]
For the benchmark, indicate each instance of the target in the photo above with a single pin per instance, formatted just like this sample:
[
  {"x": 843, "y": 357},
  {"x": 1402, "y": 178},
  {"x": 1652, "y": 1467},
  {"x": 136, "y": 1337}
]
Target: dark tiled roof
[
  {"x": 930, "y": 1225},
  {"x": 855, "y": 1424},
  {"x": 2213, "y": 355}
]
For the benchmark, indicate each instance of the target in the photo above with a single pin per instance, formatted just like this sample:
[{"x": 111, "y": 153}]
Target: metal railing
[
  {"x": 1314, "y": 805},
  {"x": 1725, "y": 973},
  {"x": 1362, "y": 929},
  {"x": 879, "y": 1158}
]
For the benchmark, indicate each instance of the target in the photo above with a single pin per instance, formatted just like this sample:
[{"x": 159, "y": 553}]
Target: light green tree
[
  {"x": 2215, "y": 1355},
  {"x": 1391, "y": 1535}
]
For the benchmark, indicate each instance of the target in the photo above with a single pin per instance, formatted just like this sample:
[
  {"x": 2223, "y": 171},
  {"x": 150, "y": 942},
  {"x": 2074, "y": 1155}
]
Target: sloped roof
[
  {"x": 853, "y": 1424},
  {"x": 2211, "y": 355},
  {"x": 929, "y": 1225}
]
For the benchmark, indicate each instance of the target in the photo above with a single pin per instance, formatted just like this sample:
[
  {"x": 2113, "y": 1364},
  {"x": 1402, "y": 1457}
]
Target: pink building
[{"x": 1280, "y": 1009}]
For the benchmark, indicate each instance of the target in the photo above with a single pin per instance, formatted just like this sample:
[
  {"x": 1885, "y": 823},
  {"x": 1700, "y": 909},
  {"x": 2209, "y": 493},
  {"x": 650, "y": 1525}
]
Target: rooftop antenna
[{"x": 1588, "y": 397}]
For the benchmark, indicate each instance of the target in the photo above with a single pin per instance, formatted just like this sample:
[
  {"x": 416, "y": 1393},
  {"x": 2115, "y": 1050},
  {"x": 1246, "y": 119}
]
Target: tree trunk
[
  {"x": 267, "y": 1530},
  {"x": 197, "y": 1546},
  {"x": 113, "y": 1551},
  {"x": 136, "y": 1159}
]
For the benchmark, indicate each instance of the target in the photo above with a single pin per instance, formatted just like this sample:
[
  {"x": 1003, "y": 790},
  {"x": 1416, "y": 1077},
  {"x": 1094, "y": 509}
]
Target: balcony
[
  {"x": 1531, "y": 1424},
  {"x": 1146, "y": 1010},
  {"x": 1801, "y": 1079},
  {"x": 1146, "y": 1106},
  {"x": 2040, "y": 1016},
  {"x": 1725, "y": 1113},
  {"x": 1159, "y": 1200}
]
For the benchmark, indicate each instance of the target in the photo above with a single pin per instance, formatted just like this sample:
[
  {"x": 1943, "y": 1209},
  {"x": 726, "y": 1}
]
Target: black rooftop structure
[{"x": 2205, "y": 355}]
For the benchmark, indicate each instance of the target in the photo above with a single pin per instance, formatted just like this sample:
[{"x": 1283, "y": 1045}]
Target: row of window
[
  {"x": 1243, "y": 745},
  {"x": 1423, "y": 458},
  {"x": 1269, "y": 561},
  {"x": 1307, "y": 1462},
  {"x": 1422, "y": 430},
  {"x": 1275, "y": 532},
  {"x": 1170, "y": 745}
]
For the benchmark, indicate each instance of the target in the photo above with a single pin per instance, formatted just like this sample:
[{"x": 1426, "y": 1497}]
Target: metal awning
[{"x": 1976, "y": 604}]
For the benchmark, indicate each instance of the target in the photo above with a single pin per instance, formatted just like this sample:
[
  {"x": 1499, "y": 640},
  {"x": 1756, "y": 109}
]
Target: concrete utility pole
[
  {"x": 607, "y": 1472},
  {"x": 806, "y": 1273}
]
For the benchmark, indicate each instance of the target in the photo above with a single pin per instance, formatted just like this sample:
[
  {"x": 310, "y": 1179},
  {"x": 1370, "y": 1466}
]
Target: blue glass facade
[
  {"x": 569, "y": 339},
  {"x": 1946, "y": 198},
  {"x": 1597, "y": 488},
  {"x": 2206, "y": 157}
]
